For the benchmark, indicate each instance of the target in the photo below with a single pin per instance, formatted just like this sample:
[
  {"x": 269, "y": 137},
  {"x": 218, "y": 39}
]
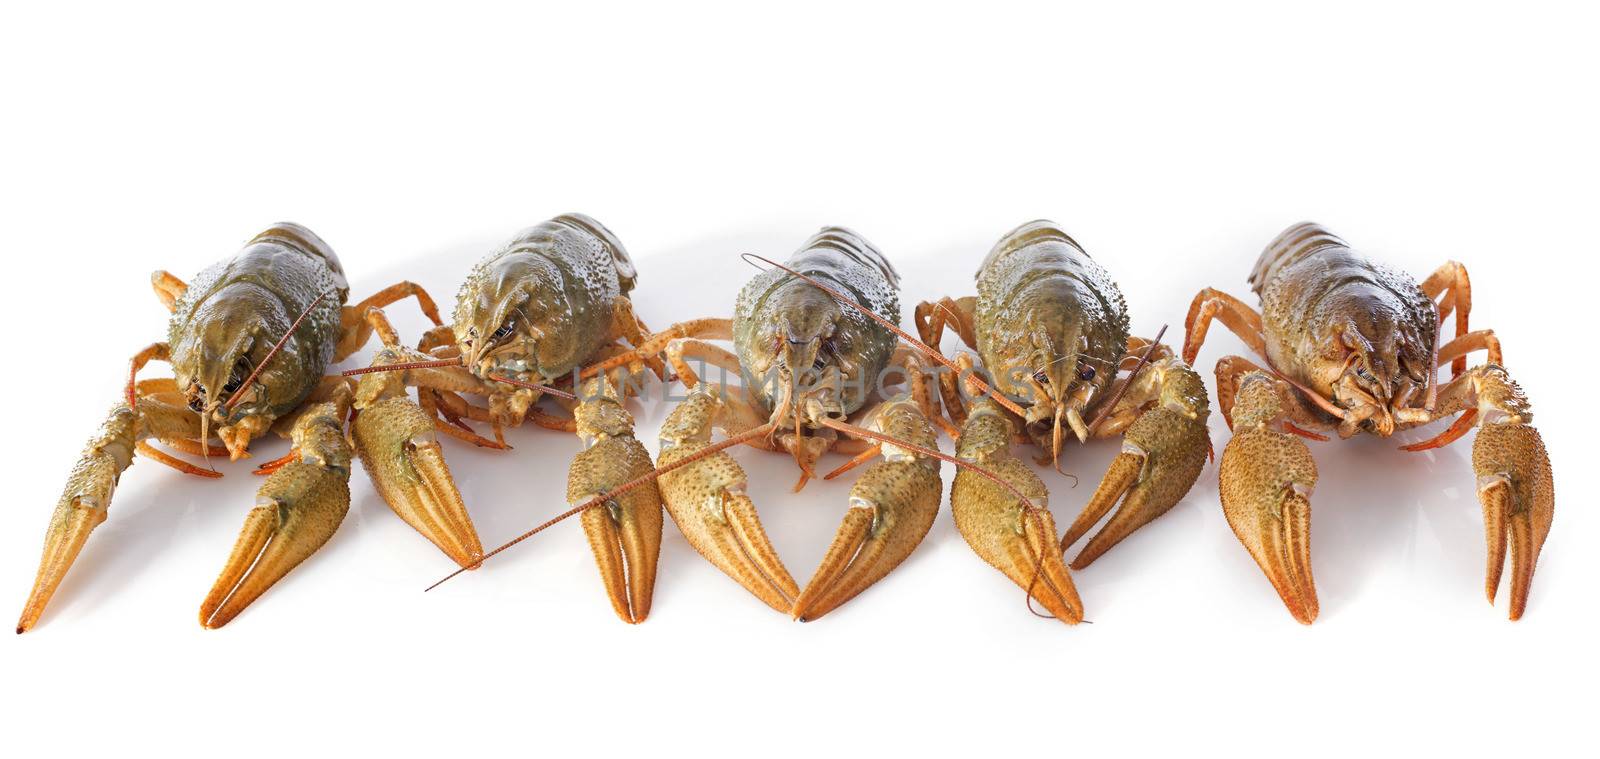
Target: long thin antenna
[
  {"x": 439, "y": 364},
  {"x": 275, "y": 348},
  {"x": 546, "y": 389},
  {"x": 454, "y": 362},
  {"x": 906, "y": 336},
  {"x": 601, "y": 499}
]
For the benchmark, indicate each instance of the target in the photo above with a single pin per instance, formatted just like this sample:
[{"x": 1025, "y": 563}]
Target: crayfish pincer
[
  {"x": 249, "y": 340},
  {"x": 1352, "y": 345}
]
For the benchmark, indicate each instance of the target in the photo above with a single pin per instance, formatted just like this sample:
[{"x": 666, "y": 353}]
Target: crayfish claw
[
  {"x": 1266, "y": 481},
  {"x": 1016, "y": 537},
  {"x": 400, "y": 451},
  {"x": 82, "y": 508},
  {"x": 1162, "y": 455},
  {"x": 625, "y": 531},
  {"x": 707, "y": 501},
  {"x": 297, "y": 510},
  {"x": 892, "y": 507},
  {"x": 1517, "y": 491}
]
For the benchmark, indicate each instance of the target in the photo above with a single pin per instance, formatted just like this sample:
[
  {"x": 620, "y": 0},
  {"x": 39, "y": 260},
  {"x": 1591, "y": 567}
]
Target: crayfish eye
[
  {"x": 1086, "y": 373},
  {"x": 1041, "y": 377},
  {"x": 504, "y": 331}
]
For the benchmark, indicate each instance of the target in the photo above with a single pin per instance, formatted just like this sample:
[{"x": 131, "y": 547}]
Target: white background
[{"x": 1173, "y": 142}]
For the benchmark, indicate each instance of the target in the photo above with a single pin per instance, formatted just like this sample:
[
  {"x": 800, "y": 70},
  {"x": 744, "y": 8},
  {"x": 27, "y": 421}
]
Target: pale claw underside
[
  {"x": 297, "y": 511},
  {"x": 400, "y": 452},
  {"x": 892, "y": 507},
  {"x": 1517, "y": 491}
]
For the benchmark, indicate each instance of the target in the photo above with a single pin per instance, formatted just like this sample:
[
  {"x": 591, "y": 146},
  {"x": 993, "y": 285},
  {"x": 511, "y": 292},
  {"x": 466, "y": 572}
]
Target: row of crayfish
[{"x": 543, "y": 331}]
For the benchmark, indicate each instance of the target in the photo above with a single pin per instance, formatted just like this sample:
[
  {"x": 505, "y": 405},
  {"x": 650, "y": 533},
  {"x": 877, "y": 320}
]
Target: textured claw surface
[
  {"x": 1162, "y": 455},
  {"x": 625, "y": 533},
  {"x": 892, "y": 506},
  {"x": 1517, "y": 491},
  {"x": 297, "y": 510},
  {"x": 401, "y": 453},
  {"x": 1266, "y": 482},
  {"x": 1019, "y": 542},
  {"x": 707, "y": 501},
  {"x": 82, "y": 507}
]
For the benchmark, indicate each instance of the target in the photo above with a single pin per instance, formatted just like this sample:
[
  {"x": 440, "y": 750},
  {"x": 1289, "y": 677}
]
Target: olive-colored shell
[
  {"x": 1045, "y": 305},
  {"x": 241, "y": 306},
  {"x": 560, "y": 278},
  {"x": 775, "y": 306},
  {"x": 1320, "y": 300}
]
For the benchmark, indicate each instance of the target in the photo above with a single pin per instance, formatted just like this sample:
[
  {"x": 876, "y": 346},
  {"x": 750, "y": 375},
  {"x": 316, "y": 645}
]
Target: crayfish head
[
  {"x": 806, "y": 363},
  {"x": 1375, "y": 364},
  {"x": 1056, "y": 352},
  {"x": 517, "y": 320},
  {"x": 223, "y": 343}
]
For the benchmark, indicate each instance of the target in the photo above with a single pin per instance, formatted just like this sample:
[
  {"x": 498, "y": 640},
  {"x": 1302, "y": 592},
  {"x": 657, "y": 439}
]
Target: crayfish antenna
[{"x": 446, "y": 363}]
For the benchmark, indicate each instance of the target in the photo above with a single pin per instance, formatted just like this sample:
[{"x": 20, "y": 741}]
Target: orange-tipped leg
[
  {"x": 892, "y": 506},
  {"x": 1518, "y": 495},
  {"x": 401, "y": 453}
]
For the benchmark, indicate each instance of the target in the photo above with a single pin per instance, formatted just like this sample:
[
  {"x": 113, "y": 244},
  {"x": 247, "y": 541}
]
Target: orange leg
[
  {"x": 151, "y": 352},
  {"x": 195, "y": 447},
  {"x": 176, "y": 463},
  {"x": 168, "y": 288},
  {"x": 704, "y": 329},
  {"x": 861, "y": 458},
  {"x": 1238, "y": 317},
  {"x": 1451, "y": 280},
  {"x": 357, "y": 328},
  {"x": 1484, "y": 339}
]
